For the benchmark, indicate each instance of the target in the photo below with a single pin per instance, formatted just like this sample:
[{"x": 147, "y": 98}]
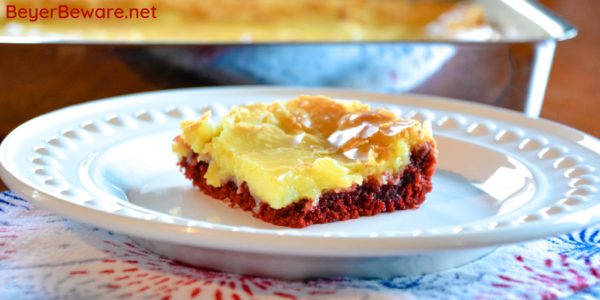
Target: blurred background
[{"x": 35, "y": 79}]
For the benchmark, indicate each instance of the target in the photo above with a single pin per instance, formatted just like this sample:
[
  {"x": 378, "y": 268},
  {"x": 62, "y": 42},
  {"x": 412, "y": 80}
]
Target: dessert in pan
[
  {"x": 309, "y": 160},
  {"x": 247, "y": 20}
]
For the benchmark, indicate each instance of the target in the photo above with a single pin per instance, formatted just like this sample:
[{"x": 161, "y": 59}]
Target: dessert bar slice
[{"x": 309, "y": 160}]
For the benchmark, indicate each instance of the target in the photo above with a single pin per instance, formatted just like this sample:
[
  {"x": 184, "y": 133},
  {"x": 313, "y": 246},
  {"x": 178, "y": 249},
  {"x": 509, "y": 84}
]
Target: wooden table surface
[
  {"x": 573, "y": 94},
  {"x": 570, "y": 98}
]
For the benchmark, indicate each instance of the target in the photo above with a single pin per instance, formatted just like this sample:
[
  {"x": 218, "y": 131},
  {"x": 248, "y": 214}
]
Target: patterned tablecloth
[{"x": 45, "y": 256}]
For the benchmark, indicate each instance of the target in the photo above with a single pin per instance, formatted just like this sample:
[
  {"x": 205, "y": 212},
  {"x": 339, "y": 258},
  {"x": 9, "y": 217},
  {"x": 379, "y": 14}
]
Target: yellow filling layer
[
  {"x": 287, "y": 151},
  {"x": 245, "y": 20}
]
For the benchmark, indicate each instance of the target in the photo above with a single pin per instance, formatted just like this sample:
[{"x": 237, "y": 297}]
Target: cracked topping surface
[{"x": 287, "y": 151}]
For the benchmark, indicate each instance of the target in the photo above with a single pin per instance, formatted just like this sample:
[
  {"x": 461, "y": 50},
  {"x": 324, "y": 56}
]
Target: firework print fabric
[{"x": 45, "y": 256}]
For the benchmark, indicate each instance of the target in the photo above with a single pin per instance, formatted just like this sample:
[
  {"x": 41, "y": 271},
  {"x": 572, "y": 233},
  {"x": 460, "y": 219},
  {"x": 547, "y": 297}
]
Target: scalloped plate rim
[{"x": 387, "y": 245}]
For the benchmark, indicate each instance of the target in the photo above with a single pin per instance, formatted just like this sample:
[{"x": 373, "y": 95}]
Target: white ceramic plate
[{"x": 501, "y": 178}]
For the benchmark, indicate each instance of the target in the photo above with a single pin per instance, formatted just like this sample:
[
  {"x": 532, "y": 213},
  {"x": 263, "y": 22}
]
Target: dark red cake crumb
[{"x": 367, "y": 199}]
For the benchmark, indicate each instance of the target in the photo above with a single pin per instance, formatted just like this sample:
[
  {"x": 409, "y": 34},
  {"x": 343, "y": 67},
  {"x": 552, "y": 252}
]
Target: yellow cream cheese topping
[
  {"x": 214, "y": 21},
  {"x": 287, "y": 151}
]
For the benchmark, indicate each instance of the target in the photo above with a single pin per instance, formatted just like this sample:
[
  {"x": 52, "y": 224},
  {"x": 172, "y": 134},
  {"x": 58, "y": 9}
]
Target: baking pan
[{"x": 509, "y": 69}]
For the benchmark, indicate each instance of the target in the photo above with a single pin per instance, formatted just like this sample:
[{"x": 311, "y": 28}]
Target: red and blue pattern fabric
[{"x": 45, "y": 256}]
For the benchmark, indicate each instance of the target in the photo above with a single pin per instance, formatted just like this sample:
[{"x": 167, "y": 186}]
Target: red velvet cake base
[{"x": 367, "y": 199}]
